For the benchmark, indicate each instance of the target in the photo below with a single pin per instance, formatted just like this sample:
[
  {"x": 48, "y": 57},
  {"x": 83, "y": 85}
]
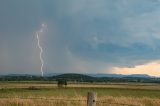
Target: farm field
[{"x": 48, "y": 94}]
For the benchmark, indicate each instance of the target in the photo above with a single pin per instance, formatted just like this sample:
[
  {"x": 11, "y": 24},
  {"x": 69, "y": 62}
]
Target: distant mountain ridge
[
  {"x": 121, "y": 76},
  {"x": 98, "y": 75},
  {"x": 73, "y": 76},
  {"x": 90, "y": 78}
]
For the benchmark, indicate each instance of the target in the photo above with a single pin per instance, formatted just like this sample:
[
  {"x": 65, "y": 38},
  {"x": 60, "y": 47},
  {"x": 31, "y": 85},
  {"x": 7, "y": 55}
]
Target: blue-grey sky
[{"x": 82, "y": 36}]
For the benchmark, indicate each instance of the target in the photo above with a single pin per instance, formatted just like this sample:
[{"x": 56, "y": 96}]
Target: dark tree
[{"x": 62, "y": 83}]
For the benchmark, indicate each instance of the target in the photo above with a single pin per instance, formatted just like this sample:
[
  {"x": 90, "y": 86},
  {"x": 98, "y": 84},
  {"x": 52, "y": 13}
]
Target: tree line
[{"x": 78, "y": 78}]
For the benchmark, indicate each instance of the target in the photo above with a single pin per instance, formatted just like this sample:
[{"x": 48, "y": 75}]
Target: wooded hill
[{"x": 79, "y": 78}]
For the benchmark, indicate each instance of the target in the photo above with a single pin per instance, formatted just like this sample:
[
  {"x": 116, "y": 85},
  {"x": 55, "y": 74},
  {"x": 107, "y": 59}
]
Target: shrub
[{"x": 62, "y": 83}]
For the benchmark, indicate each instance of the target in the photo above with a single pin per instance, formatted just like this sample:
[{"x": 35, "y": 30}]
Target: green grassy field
[
  {"x": 67, "y": 92},
  {"x": 132, "y": 93}
]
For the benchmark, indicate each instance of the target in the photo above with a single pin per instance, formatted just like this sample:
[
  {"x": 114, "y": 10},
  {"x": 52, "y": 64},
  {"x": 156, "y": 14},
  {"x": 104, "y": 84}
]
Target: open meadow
[{"x": 48, "y": 94}]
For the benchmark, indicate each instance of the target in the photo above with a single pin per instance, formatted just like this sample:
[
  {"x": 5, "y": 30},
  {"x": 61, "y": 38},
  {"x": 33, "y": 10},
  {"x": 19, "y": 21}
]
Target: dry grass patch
[{"x": 79, "y": 101}]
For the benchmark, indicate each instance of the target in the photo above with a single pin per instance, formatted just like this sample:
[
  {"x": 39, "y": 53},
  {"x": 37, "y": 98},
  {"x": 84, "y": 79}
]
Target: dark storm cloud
[{"x": 82, "y": 35}]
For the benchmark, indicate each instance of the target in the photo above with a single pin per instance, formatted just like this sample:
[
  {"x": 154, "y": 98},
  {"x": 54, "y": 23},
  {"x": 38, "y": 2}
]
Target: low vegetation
[
  {"x": 80, "y": 78},
  {"x": 105, "y": 101},
  {"x": 48, "y": 94}
]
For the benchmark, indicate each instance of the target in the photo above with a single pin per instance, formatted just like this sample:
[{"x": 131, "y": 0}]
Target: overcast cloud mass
[{"x": 82, "y": 36}]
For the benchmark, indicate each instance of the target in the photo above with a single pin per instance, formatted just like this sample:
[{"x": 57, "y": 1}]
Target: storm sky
[{"x": 82, "y": 36}]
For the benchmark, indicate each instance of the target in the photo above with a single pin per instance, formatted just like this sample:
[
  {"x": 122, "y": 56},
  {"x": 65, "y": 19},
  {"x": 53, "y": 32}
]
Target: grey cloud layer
[{"x": 82, "y": 35}]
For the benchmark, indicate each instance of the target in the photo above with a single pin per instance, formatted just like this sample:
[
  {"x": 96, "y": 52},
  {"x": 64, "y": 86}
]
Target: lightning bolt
[{"x": 40, "y": 47}]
